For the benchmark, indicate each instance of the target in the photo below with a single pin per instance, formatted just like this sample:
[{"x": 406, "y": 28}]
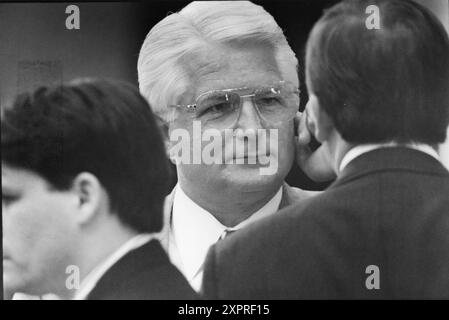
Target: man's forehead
[
  {"x": 220, "y": 67},
  {"x": 204, "y": 61}
]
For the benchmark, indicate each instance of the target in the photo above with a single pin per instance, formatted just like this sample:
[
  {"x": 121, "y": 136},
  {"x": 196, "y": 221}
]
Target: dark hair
[
  {"x": 387, "y": 84},
  {"x": 99, "y": 126}
]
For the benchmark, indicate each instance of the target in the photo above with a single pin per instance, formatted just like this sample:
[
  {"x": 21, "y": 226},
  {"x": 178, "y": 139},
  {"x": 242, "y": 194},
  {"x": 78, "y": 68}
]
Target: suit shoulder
[{"x": 143, "y": 274}]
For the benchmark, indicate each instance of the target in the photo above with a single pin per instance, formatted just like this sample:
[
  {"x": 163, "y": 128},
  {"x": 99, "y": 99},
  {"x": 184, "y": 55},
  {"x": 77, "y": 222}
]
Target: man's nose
[{"x": 249, "y": 116}]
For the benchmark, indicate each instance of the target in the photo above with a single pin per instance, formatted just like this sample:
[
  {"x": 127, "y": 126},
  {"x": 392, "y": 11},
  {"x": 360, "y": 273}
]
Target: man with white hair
[{"x": 222, "y": 65}]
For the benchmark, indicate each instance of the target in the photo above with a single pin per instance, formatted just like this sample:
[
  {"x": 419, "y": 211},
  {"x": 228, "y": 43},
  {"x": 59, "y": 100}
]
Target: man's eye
[
  {"x": 269, "y": 101},
  {"x": 218, "y": 108}
]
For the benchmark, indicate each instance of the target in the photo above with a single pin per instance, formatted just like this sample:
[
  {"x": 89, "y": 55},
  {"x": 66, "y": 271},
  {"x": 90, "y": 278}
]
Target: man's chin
[{"x": 250, "y": 176}]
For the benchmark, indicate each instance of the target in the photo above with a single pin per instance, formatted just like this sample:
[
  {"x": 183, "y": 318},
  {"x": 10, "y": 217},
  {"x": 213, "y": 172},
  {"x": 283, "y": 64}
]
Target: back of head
[
  {"x": 386, "y": 84},
  {"x": 102, "y": 127},
  {"x": 162, "y": 76}
]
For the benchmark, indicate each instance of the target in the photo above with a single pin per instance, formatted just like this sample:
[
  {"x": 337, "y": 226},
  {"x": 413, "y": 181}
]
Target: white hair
[{"x": 162, "y": 78}]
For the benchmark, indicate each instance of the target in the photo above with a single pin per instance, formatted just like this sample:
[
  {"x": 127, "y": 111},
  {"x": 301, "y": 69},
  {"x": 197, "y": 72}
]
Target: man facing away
[
  {"x": 84, "y": 175},
  {"x": 220, "y": 66},
  {"x": 379, "y": 104}
]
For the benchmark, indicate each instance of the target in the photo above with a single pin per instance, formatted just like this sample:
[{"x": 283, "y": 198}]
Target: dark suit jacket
[
  {"x": 388, "y": 208},
  {"x": 143, "y": 274}
]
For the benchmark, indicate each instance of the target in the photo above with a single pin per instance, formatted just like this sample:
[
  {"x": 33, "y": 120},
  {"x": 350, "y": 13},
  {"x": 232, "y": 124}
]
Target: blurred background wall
[{"x": 37, "y": 48}]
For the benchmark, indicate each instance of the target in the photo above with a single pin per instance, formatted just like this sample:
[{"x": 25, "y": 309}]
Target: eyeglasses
[{"x": 221, "y": 108}]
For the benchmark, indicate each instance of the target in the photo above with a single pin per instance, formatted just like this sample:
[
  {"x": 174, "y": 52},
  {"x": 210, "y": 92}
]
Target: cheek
[
  {"x": 34, "y": 230},
  {"x": 22, "y": 227},
  {"x": 200, "y": 174},
  {"x": 286, "y": 145},
  {"x": 22, "y": 231},
  {"x": 286, "y": 140}
]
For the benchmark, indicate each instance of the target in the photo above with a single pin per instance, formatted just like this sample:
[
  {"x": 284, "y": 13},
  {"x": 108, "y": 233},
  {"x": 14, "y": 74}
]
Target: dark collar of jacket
[
  {"x": 390, "y": 159},
  {"x": 290, "y": 195},
  {"x": 143, "y": 273}
]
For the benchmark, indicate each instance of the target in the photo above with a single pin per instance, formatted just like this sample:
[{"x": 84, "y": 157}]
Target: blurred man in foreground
[{"x": 84, "y": 175}]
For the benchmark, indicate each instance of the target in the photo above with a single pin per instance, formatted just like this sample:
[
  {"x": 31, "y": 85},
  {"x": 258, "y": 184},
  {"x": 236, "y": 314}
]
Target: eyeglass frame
[{"x": 193, "y": 107}]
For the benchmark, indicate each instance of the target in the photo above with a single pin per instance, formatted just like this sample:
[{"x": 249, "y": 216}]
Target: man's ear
[
  {"x": 168, "y": 146},
  {"x": 164, "y": 127},
  {"x": 92, "y": 197},
  {"x": 319, "y": 121}
]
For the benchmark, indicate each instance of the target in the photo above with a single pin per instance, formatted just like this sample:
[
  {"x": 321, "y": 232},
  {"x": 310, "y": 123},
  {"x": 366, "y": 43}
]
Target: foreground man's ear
[{"x": 91, "y": 196}]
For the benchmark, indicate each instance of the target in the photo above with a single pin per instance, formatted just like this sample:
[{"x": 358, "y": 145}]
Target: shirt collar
[
  {"x": 364, "y": 148},
  {"x": 194, "y": 230},
  {"x": 90, "y": 281}
]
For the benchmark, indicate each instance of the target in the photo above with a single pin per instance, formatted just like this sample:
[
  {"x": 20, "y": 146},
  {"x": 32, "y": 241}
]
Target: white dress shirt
[
  {"x": 364, "y": 148},
  {"x": 89, "y": 282},
  {"x": 194, "y": 230}
]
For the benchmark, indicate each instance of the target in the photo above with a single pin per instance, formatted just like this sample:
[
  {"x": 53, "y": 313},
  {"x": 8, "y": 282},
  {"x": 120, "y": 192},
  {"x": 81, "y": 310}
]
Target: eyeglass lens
[{"x": 222, "y": 109}]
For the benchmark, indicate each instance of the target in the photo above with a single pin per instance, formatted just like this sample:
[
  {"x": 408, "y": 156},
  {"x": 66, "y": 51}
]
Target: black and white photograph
[{"x": 207, "y": 151}]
